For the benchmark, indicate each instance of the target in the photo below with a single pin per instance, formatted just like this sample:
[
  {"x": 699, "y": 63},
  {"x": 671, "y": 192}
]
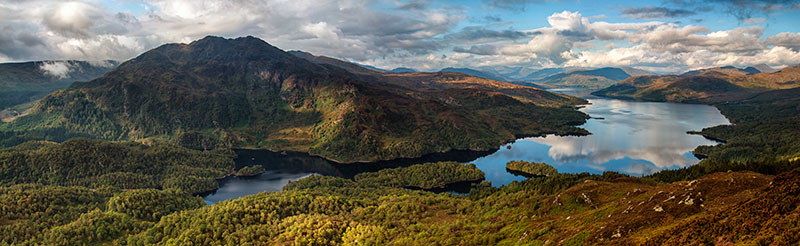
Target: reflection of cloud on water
[
  {"x": 577, "y": 149},
  {"x": 639, "y": 168},
  {"x": 633, "y": 138}
]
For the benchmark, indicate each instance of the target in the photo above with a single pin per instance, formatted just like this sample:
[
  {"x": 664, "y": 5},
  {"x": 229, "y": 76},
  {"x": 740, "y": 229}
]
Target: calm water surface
[{"x": 635, "y": 138}]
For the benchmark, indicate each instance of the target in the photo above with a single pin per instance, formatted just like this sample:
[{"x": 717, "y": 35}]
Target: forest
[{"x": 125, "y": 165}]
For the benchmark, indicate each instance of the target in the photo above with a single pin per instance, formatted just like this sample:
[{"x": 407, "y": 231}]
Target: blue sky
[{"x": 661, "y": 36}]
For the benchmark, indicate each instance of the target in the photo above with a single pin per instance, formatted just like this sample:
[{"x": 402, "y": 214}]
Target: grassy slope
[{"x": 570, "y": 209}]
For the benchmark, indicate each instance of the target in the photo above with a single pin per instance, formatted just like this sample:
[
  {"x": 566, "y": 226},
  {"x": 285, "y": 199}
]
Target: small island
[
  {"x": 530, "y": 169},
  {"x": 426, "y": 176},
  {"x": 250, "y": 171}
]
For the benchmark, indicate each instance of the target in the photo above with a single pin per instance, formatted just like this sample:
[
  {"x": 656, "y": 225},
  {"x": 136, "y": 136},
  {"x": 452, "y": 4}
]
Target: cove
[{"x": 635, "y": 138}]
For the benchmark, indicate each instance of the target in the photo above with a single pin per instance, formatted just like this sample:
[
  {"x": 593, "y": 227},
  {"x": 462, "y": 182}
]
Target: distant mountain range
[
  {"x": 591, "y": 78},
  {"x": 28, "y": 81},
  {"x": 730, "y": 70},
  {"x": 477, "y": 73},
  {"x": 594, "y": 78},
  {"x": 705, "y": 85},
  {"x": 246, "y": 93},
  {"x": 403, "y": 70}
]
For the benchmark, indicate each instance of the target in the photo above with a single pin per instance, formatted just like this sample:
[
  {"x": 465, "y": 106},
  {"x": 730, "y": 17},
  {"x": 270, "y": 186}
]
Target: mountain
[
  {"x": 764, "y": 68},
  {"x": 519, "y": 73},
  {"x": 403, "y": 70},
  {"x": 246, "y": 93},
  {"x": 703, "y": 86},
  {"x": 594, "y": 78},
  {"x": 350, "y": 67},
  {"x": 635, "y": 71},
  {"x": 541, "y": 74},
  {"x": 722, "y": 71},
  {"x": 507, "y": 71},
  {"x": 373, "y": 67},
  {"x": 28, "y": 81},
  {"x": 476, "y": 73}
]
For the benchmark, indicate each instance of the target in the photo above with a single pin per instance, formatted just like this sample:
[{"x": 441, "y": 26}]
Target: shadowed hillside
[{"x": 25, "y": 82}]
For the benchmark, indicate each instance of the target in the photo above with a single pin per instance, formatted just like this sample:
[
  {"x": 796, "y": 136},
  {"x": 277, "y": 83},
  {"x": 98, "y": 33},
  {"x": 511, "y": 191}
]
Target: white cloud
[
  {"x": 422, "y": 37},
  {"x": 785, "y": 39},
  {"x": 85, "y": 29},
  {"x": 58, "y": 69},
  {"x": 574, "y": 41}
]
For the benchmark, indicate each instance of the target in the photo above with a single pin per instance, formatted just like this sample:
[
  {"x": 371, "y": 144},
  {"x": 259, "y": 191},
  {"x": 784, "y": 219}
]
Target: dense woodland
[
  {"x": 126, "y": 165},
  {"x": 763, "y": 138},
  {"x": 425, "y": 175}
]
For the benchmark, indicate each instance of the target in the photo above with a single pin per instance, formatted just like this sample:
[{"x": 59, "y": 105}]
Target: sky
[{"x": 428, "y": 35}]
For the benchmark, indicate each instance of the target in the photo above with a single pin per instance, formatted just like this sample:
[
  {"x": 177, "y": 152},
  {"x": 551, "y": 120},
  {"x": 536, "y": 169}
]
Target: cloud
[
  {"x": 350, "y": 29},
  {"x": 741, "y": 9},
  {"x": 571, "y": 40},
  {"x": 785, "y": 39},
  {"x": 413, "y": 5},
  {"x": 473, "y": 33},
  {"x": 478, "y": 50},
  {"x": 655, "y": 13},
  {"x": 419, "y": 34},
  {"x": 514, "y": 5},
  {"x": 58, "y": 69}
]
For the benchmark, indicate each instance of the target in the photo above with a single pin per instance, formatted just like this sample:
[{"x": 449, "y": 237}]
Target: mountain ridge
[
  {"x": 703, "y": 86},
  {"x": 246, "y": 93}
]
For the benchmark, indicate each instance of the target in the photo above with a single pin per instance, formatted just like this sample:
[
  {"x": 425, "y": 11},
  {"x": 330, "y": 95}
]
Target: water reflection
[
  {"x": 288, "y": 166},
  {"x": 635, "y": 138},
  {"x": 235, "y": 187}
]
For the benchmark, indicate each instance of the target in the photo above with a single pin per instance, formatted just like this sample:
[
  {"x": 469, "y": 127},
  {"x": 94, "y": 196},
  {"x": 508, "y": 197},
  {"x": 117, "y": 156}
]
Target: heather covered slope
[
  {"x": 246, "y": 93},
  {"x": 574, "y": 209}
]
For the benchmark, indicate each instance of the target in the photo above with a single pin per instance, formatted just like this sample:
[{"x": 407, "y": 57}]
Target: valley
[{"x": 233, "y": 141}]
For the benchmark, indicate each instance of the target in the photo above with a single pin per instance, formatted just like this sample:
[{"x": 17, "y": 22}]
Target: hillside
[
  {"x": 477, "y": 73},
  {"x": 575, "y": 209},
  {"x": 403, "y": 70},
  {"x": 703, "y": 86},
  {"x": 246, "y": 93},
  {"x": 595, "y": 78},
  {"x": 541, "y": 74},
  {"x": 350, "y": 67},
  {"x": 28, "y": 81}
]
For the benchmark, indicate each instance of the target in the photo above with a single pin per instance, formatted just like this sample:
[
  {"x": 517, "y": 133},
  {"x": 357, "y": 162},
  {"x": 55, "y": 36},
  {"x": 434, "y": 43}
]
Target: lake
[{"x": 635, "y": 138}]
